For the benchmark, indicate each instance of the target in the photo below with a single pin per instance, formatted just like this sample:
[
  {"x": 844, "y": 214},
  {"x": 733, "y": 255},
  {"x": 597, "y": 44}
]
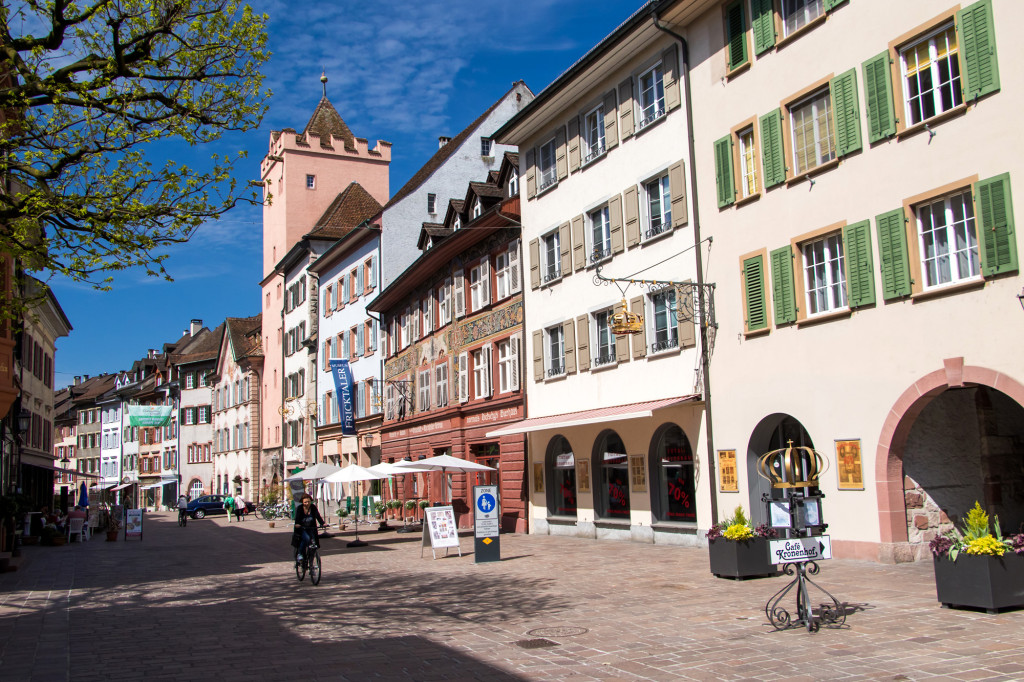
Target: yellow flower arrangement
[
  {"x": 738, "y": 531},
  {"x": 986, "y": 545}
]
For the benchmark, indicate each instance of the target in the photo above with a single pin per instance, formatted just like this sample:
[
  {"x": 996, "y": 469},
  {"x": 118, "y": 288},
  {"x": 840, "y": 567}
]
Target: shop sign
[
  {"x": 505, "y": 413},
  {"x": 565, "y": 461},
  {"x": 799, "y": 550}
]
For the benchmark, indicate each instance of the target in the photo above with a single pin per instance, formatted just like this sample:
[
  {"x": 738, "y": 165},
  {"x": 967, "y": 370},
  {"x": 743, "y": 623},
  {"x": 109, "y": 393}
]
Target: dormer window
[
  {"x": 457, "y": 223},
  {"x": 477, "y": 208},
  {"x": 513, "y": 182}
]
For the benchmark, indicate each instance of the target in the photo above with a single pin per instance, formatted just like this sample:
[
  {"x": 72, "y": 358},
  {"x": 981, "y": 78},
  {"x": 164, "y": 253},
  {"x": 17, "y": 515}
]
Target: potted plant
[
  {"x": 379, "y": 508},
  {"x": 51, "y": 536},
  {"x": 977, "y": 568},
  {"x": 114, "y": 525},
  {"x": 342, "y": 518},
  {"x": 410, "y": 506},
  {"x": 737, "y": 550}
]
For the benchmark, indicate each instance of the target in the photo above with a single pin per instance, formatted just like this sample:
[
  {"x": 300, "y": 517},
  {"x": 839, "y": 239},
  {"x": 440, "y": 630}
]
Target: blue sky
[{"x": 400, "y": 71}]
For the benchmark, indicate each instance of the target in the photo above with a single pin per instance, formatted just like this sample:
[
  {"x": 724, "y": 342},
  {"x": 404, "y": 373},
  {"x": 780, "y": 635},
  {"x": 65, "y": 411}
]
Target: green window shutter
[
  {"x": 892, "y": 248},
  {"x": 977, "y": 37},
  {"x": 782, "y": 285},
  {"x": 878, "y": 97},
  {"x": 763, "y": 23},
  {"x": 999, "y": 243},
  {"x": 753, "y": 291},
  {"x": 772, "y": 155},
  {"x": 860, "y": 268},
  {"x": 845, "y": 105},
  {"x": 832, "y": 4},
  {"x": 724, "y": 177},
  {"x": 736, "y": 35}
]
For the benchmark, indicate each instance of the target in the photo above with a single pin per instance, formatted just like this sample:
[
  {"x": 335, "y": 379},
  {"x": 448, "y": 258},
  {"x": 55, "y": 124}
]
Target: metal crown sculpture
[
  {"x": 625, "y": 322},
  {"x": 786, "y": 468}
]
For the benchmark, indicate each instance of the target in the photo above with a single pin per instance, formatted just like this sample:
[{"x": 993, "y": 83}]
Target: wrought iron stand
[{"x": 829, "y": 614}]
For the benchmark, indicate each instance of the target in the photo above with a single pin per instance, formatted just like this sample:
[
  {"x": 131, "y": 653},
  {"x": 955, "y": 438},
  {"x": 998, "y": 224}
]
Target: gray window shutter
[
  {"x": 574, "y": 144},
  {"x": 560, "y": 167},
  {"x": 611, "y": 121},
  {"x": 583, "y": 342},
  {"x": 687, "y": 328},
  {"x": 531, "y": 173},
  {"x": 579, "y": 252},
  {"x": 565, "y": 249},
  {"x": 569, "y": 339},
  {"x": 636, "y": 305},
  {"x": 631, "y": 206},
  {"x": 534, "y": 263},
  {"x": 670, "y": 77},
  {"x": 626, "y": 107},
  {"x": 621, "y": 340},
  {"x": 677, "y": 190},
  {"x": 615, "y": 223},
  {"x": 538, "y": 355}
]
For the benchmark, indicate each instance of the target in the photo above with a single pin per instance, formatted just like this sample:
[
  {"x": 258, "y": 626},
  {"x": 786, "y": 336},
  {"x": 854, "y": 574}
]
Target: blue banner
[{"x": 343, "y": 386}]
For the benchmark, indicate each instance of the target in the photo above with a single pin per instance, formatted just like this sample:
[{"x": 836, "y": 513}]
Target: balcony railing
[
  {"x": 656, "y": 113},
  {"x": 655, "y": 230},
  {"x": 552, "y": 274},
  {"x": 593, "y": 153},
  {"x": 556, "y": 370},
  {"x": 665, "y": 344},
  {"x": 603, "y": 359},
  {"x": 600, "y": 253},
  {"x": 547, "y": 179}
]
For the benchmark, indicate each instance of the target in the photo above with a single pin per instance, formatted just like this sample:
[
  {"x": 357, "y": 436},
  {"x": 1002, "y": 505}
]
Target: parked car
[{"x": 206, "y": 504}]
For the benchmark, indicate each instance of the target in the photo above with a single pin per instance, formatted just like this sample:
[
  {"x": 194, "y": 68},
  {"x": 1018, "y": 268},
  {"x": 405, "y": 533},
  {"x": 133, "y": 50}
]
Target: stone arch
[{"x": 892, "y": 521}]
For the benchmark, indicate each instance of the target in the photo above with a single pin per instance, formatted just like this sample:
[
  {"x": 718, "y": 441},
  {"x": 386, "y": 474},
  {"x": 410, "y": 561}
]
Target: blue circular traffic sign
[{"x": 486, "y": 503}]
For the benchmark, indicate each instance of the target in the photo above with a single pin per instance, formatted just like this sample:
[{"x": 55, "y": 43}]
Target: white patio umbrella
[
  {"x": 392, "y": 469},
  {"x": 351, "y": 474},
  {"x": 444, "y": 464},
  {"x": 316, "y": 472}
]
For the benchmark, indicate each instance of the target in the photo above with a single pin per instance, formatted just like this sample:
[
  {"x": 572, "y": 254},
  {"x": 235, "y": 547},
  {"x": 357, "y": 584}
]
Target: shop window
[
  {"x": 672, "y": 477},
  {"x": 611, "y": 469},
  {"x": 561, "y": 475}
]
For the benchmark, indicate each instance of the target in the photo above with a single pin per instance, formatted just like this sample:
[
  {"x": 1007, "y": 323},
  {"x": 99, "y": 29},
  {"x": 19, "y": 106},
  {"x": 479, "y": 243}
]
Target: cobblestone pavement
[{"x": 221, "y": 601}]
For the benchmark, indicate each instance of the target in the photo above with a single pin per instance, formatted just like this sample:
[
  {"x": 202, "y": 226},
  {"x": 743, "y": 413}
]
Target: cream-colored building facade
[{"x": 856, "y": 164}]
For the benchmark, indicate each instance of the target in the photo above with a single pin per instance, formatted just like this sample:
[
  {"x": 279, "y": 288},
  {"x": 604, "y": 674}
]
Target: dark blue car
[{"x": 206, "y": 504}]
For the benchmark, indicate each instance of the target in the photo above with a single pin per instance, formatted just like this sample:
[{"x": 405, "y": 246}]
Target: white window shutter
[
  {"x": 463, "y": 377},
  {"x": 488, "y": 361},
  {"x": 414, "y": 311},
  {"x": 428, "y": 322},
  {"x": 515, "y": 282},
  {"x": 459, "y": 294},
  {"x": 513, "y": 366},
  {"x": 485, "y": 282}
]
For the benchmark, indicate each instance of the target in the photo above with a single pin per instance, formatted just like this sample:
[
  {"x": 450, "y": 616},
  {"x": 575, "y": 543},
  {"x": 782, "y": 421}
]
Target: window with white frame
[
  {"x": 663, "y": 324},
  {"x": 798, "y": 13},
  {"x": 599, "y": 234},
  {"x": 427, "y": 305},
  {"x": 812, "y": 130},
  {"x": 486, "y": 146},
  {"x": 423, "y": 386},
  {"x": 546, "y": 165},
  {"x": 502, "y": 285},
  {"x": 441, "y": 383},
  {"x": 480, "y": 285},
  {"x": 658, "y": 201},
  {"x": 190, "y": 380},
  {"x": 603, "y": 343},
  {"x": 457, "y": 223},
  {"x": 593, "y": 135},
  {"x": 513, "y": 182},
  {"x": 310, "y": 182},
  {"x": 948, "y": 239},
  {"x": 202, "y": 379},
  {"x": 931, "y": 75},
  {"x": 551, "y": 259},
  {"x": 554, "y": 351},
  {"x": 189, "y": 416},
  {"x": 652, "y": 96},
  {"x": 824, "y": 274},
  {"x": 405, "y": 328},
  {"x": 748, "y": 162},
  {"x": 444, "y": 302},
  {"x": 508, "y": 365},
  {"x": 482, "y": 372},
  {"x": 477, "y": 209}
]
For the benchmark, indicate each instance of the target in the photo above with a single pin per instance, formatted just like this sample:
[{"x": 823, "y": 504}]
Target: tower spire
[{"x": 323, "y": 79}]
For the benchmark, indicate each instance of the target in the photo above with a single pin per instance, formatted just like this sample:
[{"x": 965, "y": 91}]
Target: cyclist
[
  {"x": 182, "y": 509},
  {"x": 307, "y": 520}
]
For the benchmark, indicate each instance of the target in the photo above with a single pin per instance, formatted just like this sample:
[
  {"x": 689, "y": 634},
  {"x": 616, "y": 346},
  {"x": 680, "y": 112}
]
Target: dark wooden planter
[
  {"x": 739, "y": 560},
  {"x": 991, "y": 583}
]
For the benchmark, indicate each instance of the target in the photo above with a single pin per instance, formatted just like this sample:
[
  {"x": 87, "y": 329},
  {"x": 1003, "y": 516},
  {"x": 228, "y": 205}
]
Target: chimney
[
  {"x": 78, "y": 380},
  {"x": 443, "y": 140},
  {"x": 153, "y": 353},
  {"x": 194, "y": 327}
]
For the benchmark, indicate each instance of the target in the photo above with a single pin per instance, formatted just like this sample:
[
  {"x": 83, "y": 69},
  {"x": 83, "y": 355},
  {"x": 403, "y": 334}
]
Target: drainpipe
[{"x": 684, "y": 72}]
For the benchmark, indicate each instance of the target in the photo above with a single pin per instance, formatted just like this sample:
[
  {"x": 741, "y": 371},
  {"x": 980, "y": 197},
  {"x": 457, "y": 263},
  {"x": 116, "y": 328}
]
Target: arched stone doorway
[
  {"x": 772, "y": 433},
  {"x": 955, "y": 437}
]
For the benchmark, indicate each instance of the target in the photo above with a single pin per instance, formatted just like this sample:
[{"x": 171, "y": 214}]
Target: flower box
[
  {"x": 741, "y": 559},
  {"x": 984, "y": 582}
]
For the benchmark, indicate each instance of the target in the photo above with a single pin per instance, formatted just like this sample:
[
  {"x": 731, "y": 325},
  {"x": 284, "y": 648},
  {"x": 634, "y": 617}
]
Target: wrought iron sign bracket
[{"x": 688, "y": 300}]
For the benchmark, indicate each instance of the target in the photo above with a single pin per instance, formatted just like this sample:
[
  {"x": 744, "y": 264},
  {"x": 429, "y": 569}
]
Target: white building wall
[{"x": 110, "y": 442}]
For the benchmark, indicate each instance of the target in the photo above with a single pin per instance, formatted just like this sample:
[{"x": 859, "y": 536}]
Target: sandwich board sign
[
  {"x": 486, "y": 524},
  {"x": 133, "y": 524},
  {"x": 439, "y": 530}
]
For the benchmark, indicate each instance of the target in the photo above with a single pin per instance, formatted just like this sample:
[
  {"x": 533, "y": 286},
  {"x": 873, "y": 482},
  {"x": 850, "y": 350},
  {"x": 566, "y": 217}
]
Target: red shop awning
[{"x": 601, "y": 414}]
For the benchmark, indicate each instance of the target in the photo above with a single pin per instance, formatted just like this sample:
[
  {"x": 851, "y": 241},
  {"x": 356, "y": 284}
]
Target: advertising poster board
[
  {"x": 486, "y": 524},
  {"x": 439, "y": 530},
  {"x": 133, "y": 524}
]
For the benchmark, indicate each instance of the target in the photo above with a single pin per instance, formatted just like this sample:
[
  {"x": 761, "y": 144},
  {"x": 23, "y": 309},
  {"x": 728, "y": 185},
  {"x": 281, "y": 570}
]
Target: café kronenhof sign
[{"x": 797, "y": 550}]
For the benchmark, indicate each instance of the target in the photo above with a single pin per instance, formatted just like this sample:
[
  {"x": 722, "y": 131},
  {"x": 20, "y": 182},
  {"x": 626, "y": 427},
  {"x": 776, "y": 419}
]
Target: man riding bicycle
[
  {"x": 307, "y": 520},
  {"x": 182, "y": 508}
]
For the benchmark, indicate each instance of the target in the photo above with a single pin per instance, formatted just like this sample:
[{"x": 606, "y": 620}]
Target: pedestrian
[
  {"x": 239, "y": 508},
  {"x": 229, "y": 506}
]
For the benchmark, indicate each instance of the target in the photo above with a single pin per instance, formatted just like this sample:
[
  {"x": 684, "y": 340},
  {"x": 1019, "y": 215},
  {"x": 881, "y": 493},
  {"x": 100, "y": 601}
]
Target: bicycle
[
  {"x": 182, "y": 517},
  {"x": 310, "y": 562}
]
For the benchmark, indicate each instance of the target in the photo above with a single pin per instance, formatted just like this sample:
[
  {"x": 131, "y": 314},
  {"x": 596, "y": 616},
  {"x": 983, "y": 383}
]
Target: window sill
[
  {"x": 605, "y": 367},
  {"x": 664, "y": 353},
  {"x": 561, "y": 520},
  {"x": 924, "y": 126},
  {"x": 640, "y": 131},
  {"x": 795, "y": 35},
  {"x": 756, "y": 333},
  {"x": 657, "y": 237},
  {"x": 613, "y": 523},
  {"x": 558, "y": 377},
  {"x": 824, "y": 317},
  {"x": 732, "y": 73},
  {"x": 590, "y": 162},
  {"x": 807, "y": 174},
  {"x": 945, "y": 289},
  {"x": 747, "y": 200},
  {"x": 541, "y": 192},
  {"x": 685, "y": 527},
  {"x": 551, "y": 282}
]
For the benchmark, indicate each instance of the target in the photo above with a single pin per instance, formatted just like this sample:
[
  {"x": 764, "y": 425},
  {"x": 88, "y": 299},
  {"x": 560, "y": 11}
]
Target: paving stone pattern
[{"x": 222, "y": 602}]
